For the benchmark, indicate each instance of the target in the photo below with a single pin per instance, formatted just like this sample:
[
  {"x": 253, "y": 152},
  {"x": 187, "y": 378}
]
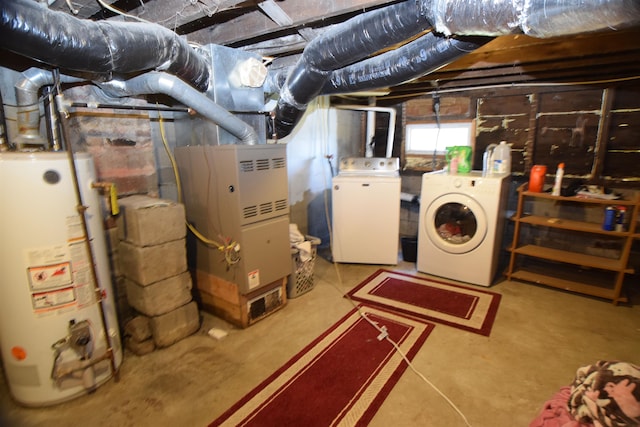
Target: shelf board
[
  {"x": 565, "y": 284},
  {"x": 567, "y": 224},
  {"x": 573, "y": 258},
  {"x": 577, "y": 199}
]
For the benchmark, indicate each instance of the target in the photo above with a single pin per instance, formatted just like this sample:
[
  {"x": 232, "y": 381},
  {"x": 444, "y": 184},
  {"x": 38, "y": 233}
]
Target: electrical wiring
[
  {"x": 436, "y": 110},
  {"x": 381, "y": 329},
  {"x": 229, "y": 248}
]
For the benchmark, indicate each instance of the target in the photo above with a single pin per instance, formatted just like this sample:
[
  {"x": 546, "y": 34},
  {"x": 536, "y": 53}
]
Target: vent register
[{"x": 266, "y": 208}]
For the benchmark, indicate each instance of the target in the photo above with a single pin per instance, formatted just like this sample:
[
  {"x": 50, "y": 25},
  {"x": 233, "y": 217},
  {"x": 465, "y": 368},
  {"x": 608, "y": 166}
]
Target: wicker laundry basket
[{"x": 301, "y": 278}]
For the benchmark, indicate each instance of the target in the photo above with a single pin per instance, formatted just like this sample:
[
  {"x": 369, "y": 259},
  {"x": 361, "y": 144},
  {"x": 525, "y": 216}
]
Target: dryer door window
[{"x": 455, "y": 223}]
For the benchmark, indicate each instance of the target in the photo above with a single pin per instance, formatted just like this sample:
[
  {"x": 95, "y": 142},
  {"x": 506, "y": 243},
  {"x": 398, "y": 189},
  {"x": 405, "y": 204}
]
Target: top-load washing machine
[
  {"x": 461, "y": 224},
  {"x": 366, "y": 210}
]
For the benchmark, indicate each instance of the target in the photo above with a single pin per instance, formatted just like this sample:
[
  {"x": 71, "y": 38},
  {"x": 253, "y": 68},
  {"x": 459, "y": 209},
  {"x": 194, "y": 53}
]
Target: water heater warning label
[
  {"x": 53, "y": 299},
  {"x": 50, "y": 276}
]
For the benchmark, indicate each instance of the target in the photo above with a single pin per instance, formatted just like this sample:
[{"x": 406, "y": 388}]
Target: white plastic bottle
[
  {"x": 502, "y": 158},
  {"x": 557, "y": 185}
]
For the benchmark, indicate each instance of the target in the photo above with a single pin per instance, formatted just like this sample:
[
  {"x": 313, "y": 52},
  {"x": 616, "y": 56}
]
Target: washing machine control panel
[{"x": 367, "y": 165}]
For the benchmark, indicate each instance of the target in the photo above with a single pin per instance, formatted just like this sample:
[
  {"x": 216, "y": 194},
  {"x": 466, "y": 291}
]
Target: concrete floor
[{"x": 540, "y": 337}]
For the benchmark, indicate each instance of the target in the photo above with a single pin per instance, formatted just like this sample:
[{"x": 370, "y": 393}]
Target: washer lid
[{"x": 455, "y": 223}]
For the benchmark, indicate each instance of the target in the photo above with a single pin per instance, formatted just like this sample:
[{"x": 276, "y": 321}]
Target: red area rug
[
  {"x": 462, "y": 307},
  {"x": 341, "y": 377}
]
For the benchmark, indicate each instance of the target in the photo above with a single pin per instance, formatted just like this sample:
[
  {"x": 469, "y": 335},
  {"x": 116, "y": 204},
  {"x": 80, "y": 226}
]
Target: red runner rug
[
  {"x": 462, "y": 307},
  {"x": 341, "y": 378}
]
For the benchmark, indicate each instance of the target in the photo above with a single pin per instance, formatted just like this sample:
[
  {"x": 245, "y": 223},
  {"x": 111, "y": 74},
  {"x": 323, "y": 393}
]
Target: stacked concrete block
[
  {"x": 138, "y": 337},
  {"x": 153, "y": 263}
]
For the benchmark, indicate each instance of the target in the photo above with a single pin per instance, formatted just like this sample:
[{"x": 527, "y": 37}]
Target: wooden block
[
  {"x": 214, "y": 285},
  {"x": 223, "y": 299}
]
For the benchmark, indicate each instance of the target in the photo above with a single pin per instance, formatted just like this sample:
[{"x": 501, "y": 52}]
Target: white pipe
[
  {"x": 371, "y": 133},
  {"x": 392, "y": 121}
]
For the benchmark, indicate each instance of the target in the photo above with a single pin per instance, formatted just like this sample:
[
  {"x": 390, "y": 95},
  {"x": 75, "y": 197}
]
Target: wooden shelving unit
[{"x": 571, "y": 270}]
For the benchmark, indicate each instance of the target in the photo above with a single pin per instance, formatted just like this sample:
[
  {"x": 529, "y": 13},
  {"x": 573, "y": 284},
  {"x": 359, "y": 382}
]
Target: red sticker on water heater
[{"x": 19, "y": 353}]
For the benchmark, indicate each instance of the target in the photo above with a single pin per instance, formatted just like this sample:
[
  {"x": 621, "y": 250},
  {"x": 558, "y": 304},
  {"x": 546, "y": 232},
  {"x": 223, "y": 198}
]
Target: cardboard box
[
  {"x": 147, "y": 221},
  {"x": 149, "y": 264}
]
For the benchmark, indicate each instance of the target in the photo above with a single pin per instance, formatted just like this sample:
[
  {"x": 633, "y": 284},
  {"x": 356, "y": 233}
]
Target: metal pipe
[
  {"x": 28, "y": 100},
  {"x": 82, "y": 208},
  {"x": 157, "y": 82},
  {"x": 53, "y": 121},
  {"x": 4, "y": 143}
]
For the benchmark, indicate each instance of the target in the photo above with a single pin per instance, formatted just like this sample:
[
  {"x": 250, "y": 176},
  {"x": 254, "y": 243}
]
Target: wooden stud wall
[{"x": 594, "y": 130}]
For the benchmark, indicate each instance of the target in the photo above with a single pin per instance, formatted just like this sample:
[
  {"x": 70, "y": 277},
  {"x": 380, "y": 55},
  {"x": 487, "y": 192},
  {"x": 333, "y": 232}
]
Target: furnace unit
[{"x": 237, "y": 195}]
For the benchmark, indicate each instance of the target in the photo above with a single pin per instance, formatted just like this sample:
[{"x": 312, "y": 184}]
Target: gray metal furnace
[{"x": 237, "y": 195}]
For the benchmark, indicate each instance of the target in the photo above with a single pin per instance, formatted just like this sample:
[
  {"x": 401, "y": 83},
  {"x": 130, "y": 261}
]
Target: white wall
[
  {"x": 322, "y": 132},
  {"x": 308, "y": 168}
]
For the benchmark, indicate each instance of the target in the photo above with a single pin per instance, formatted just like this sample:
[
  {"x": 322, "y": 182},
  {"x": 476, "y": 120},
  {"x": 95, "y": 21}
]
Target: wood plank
[
  {"x": 256, "y": 24},
  {"x": 572, "y": 258},
  {"x": 568, "y": 69},
  {"x": 567, "y": 224},
  {"x": 567, "y": 285},
  {"x": 176, "y": 13},
  {"x": 519, "y": 49}
]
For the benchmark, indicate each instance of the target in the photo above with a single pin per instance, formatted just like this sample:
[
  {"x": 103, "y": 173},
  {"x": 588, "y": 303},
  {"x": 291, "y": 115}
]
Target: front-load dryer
[{"x": 461, "y": 223}]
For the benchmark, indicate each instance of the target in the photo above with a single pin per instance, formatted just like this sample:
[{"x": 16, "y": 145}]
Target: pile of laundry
[
  {"x": 604, "y": 394},
  {"x": 299, "y": 242}
]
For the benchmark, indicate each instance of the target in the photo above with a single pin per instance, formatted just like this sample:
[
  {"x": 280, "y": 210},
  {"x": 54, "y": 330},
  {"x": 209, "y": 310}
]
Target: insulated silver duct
[
  {"x": 537, "y": 18},
  {"x": 106, "y": 47},
  {"x": 415, "y": 59},
  {"x": 343, "y": 45},
  {"x": 157, "y": 82}
]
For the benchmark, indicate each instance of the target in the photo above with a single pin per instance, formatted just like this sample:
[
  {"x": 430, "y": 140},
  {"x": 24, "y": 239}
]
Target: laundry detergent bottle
[
  {"x": 501, "y": 158},
  {"x": 536, "y": 179}
]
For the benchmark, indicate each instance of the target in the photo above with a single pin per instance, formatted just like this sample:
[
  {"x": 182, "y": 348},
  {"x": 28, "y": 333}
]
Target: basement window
[{"x": 424, "y": 139}]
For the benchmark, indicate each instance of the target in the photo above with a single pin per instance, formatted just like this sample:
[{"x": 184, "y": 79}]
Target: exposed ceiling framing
[{"x": 281, "y": 29}]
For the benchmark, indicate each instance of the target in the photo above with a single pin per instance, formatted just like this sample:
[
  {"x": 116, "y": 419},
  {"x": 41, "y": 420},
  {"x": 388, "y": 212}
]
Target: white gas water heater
[{"x": 58, "y": 331}]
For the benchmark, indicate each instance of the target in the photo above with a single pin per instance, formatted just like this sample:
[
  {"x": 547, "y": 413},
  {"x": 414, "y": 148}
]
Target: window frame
[
  {"x": 444, "y": 132},
  {"x": 425, "y": 161}
]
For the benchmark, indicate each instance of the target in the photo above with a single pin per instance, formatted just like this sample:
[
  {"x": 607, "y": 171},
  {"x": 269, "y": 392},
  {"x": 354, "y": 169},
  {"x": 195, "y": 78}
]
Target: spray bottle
[{"x": 557, "y": 185}]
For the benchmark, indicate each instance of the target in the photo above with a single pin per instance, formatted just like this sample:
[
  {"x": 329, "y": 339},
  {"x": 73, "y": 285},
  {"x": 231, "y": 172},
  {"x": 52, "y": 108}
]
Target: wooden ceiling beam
[
  {"x": 176, "y": 13},
  {"x": 253, "y": 25}
]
